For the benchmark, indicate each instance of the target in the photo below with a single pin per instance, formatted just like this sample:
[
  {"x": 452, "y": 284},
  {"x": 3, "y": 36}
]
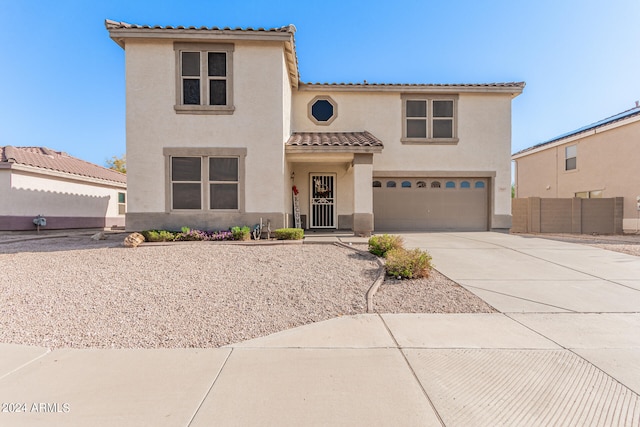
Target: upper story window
[
  {"x": 204, "y": 78},
  {"x": 429, "y": 119},
  {"x": 570, "y": 155},
  {"x": 322, "y": 110}
]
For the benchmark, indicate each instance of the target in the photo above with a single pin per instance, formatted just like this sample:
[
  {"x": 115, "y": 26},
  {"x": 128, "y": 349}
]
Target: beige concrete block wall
[
  {"x": 606, "y": 160},
  {"x": 258, "y": 123},
  {"x": 563, "y": 215},
  {"x": 484, "y": 131}
]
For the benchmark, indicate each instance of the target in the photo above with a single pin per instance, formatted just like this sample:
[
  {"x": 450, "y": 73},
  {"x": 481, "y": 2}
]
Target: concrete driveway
[{"x": 585, "y": 299}]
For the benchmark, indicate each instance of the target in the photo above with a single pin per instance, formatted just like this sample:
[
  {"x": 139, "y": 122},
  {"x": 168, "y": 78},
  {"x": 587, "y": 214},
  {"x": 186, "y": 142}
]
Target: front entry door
[{"x": 323, "y": 201}]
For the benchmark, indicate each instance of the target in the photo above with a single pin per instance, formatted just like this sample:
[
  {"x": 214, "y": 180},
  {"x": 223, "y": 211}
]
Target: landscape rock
[
  {"x": 99, "y": 236},
  {"x": 133, "y": 240}
]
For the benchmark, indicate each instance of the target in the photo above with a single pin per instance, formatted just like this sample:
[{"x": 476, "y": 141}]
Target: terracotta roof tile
[
  {"x": 115, "y": 25},
  {"x": 516, "y": 85},
  {"x": 334, "y": 139},
  {"x": 45, "y": 158}
]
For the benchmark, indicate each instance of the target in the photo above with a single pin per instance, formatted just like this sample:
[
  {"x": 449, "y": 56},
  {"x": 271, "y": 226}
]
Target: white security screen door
[{"x": 323, "y": 202}]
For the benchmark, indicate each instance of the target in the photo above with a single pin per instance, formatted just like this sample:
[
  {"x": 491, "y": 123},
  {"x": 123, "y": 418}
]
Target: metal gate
[{"x": 323, "y": 202}]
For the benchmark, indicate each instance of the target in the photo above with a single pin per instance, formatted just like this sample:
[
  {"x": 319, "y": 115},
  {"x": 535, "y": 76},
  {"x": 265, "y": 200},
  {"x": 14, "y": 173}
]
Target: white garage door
[{"x": 431, "y": 204}]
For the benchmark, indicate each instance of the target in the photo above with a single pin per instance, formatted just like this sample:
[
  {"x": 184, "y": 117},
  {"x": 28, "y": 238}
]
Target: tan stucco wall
[
  {"x": 257, "y": 123},
  {"x": 484, "y": 132},
  {"x": 29, "y": 194},
  {"x": 607, "y": 160}
]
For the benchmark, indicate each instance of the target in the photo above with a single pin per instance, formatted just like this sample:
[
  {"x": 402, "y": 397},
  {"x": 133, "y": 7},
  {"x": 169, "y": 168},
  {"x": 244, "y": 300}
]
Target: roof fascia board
[
  {"x": 577, "y": 136},
  {"x": 120, "y": 35},
  {"x": 409, "y": 88},
  {"x": 68, "y": 176}
]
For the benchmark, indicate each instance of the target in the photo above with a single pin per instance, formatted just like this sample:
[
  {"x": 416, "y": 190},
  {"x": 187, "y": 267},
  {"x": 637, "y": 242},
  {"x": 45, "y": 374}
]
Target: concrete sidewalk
[{"x": 541, "y": 361}]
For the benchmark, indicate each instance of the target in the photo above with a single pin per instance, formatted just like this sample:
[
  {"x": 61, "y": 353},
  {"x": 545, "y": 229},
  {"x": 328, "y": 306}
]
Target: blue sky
[{"x": 62, "y": 77}]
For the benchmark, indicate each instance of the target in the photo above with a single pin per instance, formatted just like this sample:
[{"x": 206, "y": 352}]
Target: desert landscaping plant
[
  {"x": 241, "y": 233},
  {"x": 380, "y": 245},
  {"x": 289, "y": 233},
  {"x": 408, "y": 263},
  {"x": 158, "y": 236}
]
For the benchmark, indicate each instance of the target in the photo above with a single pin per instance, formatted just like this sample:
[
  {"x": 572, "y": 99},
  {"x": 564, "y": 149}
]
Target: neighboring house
[
  {"x": 68, "y": 192},
  {"x": 220, "y": 128},
  {"x": 595, "y": 161}
]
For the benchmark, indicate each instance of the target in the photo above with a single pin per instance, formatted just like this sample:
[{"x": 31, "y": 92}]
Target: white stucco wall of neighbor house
[
  {"x": 483, "y": 129},
  {"x": 259, "y": 94},
  {"x": 32, "y": 194}
]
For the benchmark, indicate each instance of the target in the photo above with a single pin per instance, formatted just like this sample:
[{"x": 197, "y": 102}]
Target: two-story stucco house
[
  {"x": 600, "y": 160},
  {"x": 220, "y": 129}
]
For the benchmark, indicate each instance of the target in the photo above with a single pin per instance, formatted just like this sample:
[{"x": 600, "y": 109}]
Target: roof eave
[
  {"x": 297, "y": 149},
  {"x": 515, "y": 89}
]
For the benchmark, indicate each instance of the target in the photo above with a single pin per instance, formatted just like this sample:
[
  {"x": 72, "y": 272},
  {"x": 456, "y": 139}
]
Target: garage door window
[
  {"x": 391, "y": 184},
  {"x": 406, "y": 184},
  {"x": 435, "y": 184},
  {"x": 421, "y": 184},
  {"x": 377, "y": 184},
  {"x": 479, "y": 184},
  {"x": 450, "y": 184},
  {"x": 465, "y": 184}
]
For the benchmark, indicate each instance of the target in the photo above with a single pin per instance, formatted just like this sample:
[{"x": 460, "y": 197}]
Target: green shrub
[
  {"x": 289, "y": 233},
  {"x": 408, "y": 264},
  {"x": 241, "y": 233},
  {"x": 380, "y": 245},
  {"x": 158, "y": 236}
]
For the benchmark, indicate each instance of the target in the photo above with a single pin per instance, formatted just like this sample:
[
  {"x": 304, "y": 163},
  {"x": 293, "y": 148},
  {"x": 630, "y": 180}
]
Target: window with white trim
[
  {"x": 570, "y": 157},
  {"x": 204, "y": 78},
  {"x": 429, "y": 118},
  {"x": 122, "y": 203}
]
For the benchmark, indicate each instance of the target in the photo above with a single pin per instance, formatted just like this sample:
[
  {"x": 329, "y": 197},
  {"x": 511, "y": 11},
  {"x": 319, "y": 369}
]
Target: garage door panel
[{"x": 431, "y": 209}]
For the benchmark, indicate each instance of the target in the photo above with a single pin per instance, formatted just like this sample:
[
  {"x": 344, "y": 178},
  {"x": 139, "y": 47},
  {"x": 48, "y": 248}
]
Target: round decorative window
[{"x": 323, "y": 110}]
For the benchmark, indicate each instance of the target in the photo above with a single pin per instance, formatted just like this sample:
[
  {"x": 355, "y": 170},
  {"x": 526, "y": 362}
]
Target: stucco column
[{"x": 362, "y": 194}]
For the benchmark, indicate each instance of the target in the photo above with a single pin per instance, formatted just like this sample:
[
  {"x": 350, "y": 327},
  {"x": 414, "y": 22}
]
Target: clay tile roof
[
  {"x": 45, "y": 158},
  {"x": 333, "y": 139},
  {"x": 516, "y": 85},
  {"x": 115, "y": 25}
]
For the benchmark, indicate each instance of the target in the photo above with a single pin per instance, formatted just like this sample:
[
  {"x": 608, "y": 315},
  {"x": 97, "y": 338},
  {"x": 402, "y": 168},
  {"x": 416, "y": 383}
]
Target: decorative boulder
[
  {"x": 98, "y": 236},
  {"x": 133, "y": 240}
]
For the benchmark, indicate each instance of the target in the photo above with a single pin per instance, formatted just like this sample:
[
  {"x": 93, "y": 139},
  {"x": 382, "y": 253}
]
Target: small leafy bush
[
  {"x": 241, "y": 233},
  {"x": 158, "y": 236},
  {"x": 380, "y": 245},
  {"x": 408, "y": 264},
  {"x": 289, "y": 233}
]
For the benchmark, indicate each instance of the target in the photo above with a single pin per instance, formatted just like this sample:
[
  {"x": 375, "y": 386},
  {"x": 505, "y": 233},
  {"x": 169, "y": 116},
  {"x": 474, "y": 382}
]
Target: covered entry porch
[{"x": 332, "y": 174}]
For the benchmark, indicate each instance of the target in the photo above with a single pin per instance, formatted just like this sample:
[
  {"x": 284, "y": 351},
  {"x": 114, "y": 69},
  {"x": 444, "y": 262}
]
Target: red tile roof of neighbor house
[
  {"x": 334, "y": 139},
  {"x": 45, "y": 158}
]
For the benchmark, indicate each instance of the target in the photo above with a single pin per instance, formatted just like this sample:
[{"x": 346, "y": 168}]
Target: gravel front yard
[{"x": 74, "y": 292}]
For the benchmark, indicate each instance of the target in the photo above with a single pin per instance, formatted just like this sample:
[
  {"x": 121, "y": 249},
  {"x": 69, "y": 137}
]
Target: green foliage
[
  {"x": 241, "y": 233},
  {"x": 380, "y": 245},
  {"x": 117, "y": 163},
  {"x": 158, "y": 236},
  {"x": 289, "y": 233},
  {"x": 408, "y": 264}
]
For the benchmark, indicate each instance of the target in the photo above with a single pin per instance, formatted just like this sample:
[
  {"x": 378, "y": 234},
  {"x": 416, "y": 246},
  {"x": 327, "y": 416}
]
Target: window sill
[
  {"x": 423, "y": 141},
  {"x": 204, "y": 109}
]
